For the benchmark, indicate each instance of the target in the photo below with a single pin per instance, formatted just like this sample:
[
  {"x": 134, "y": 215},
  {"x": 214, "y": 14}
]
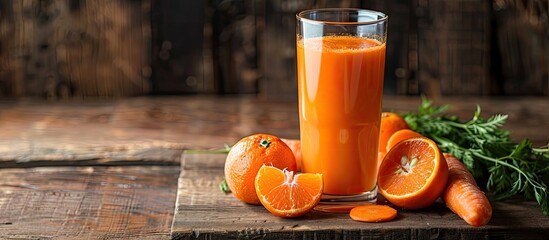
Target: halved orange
[
  {"x": 413, "y": 174},
  {"x": 287, "y": 195}
]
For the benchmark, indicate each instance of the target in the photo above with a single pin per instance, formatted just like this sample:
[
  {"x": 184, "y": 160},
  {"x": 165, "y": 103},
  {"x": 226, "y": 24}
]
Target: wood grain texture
[
  {"x": 74, "y": 49},
  {"x": 522, "y": 50},
  {"x": 155, "y": 130},
  {"x": 101, "y": 48},
  {"x": 232, "y": 35},
  {"x": 204, "y": 212},
  {"x": 139, "y": 130},
  {"x": 87, "y": 202},
  {"x": 454, "y": 47},
  {"x": 177, "y": 46}
]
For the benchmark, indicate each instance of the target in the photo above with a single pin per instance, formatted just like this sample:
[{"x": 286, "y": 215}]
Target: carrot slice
[{"x": 373, "y": 213}]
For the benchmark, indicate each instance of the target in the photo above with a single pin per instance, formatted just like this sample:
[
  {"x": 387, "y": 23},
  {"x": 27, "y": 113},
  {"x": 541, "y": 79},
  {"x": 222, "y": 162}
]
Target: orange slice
[
  {"x": 413, "y": 174},
  {"x": 287, "y": 195},
  {"x": 373, "y": 213}
]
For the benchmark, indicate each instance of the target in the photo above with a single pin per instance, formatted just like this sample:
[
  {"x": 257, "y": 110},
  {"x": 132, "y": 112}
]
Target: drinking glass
[{"x": 340, "y": 65}]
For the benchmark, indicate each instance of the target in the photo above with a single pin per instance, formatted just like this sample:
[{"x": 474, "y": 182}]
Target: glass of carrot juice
[{"x": 340, "y": 64}]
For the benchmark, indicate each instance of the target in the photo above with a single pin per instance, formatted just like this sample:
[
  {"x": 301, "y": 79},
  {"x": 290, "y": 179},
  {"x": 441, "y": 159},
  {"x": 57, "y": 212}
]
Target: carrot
[
  {"x": 373, "y": 213},
  {"x": 400, "y": 136},
  {"x": 295, "y": 145},
  {"x": 463, "y": 196}
]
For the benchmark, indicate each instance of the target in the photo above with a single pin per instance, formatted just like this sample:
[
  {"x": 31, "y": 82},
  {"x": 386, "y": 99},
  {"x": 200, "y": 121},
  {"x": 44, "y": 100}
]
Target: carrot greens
[{"x": 507, "y": 168}]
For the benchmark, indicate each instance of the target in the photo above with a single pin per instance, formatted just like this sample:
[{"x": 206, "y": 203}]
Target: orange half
[
  {"x": 287, "y": 195},
  {"x": 413, "y": 174}
]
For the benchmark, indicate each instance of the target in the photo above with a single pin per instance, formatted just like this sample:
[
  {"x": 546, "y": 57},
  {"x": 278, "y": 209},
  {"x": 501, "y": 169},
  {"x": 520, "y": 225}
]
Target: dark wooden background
[{"x": 70, "y": 49}]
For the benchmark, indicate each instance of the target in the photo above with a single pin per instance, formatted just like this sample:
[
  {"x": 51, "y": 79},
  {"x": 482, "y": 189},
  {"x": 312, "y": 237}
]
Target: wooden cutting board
[{"x": 203, "y": 211}]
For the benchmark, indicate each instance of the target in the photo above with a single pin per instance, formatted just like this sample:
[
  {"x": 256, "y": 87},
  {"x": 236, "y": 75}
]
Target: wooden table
[
  {"x": 203, "y": 211},
  {"x": 109, "y": 169}
]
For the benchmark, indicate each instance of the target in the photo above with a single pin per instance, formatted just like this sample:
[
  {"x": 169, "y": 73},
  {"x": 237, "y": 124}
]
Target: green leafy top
[{"x": 507, "y": 168}]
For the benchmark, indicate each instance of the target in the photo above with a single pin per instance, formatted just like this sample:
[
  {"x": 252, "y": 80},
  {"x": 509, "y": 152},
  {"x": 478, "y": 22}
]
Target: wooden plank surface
[
  {"x": 155, "y": 130},
  {"x": 204, "y": 212},
  {"x": 132, "y": 131},
  {"x": 87, "y": 202}
]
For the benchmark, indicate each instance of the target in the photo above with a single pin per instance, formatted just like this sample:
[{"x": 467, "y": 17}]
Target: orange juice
[{"x": 340, "y": 88}]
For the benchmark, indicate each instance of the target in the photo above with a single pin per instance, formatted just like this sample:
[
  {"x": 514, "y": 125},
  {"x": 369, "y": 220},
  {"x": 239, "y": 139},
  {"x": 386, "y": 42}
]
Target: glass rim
[{"x": 301, "y": 16}]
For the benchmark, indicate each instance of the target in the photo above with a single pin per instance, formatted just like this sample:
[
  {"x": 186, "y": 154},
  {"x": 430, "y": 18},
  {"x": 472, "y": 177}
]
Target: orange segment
[
  {"x": 413, "y": 174},
  {"x": 373, "y": 213},
  {"x": 400, "y": 136},
  {"x": 287, "y": 195}
]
